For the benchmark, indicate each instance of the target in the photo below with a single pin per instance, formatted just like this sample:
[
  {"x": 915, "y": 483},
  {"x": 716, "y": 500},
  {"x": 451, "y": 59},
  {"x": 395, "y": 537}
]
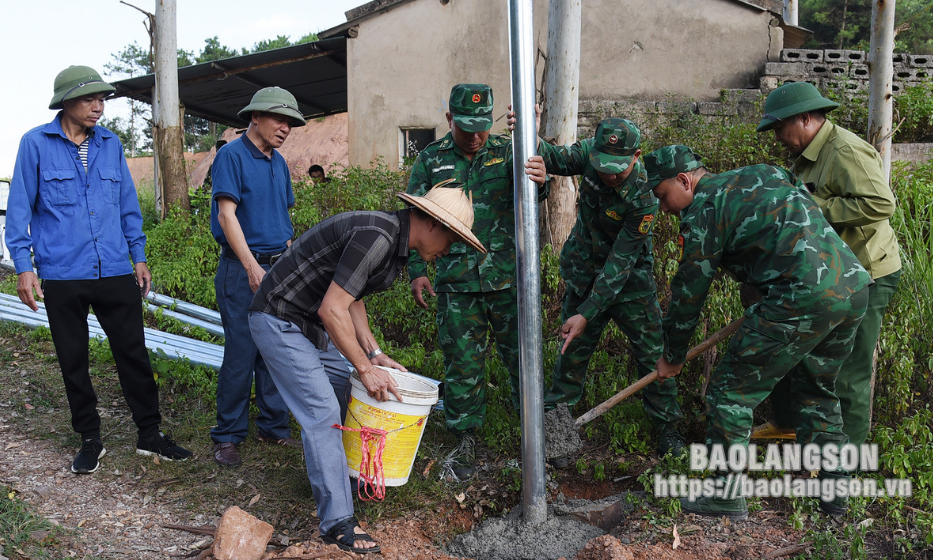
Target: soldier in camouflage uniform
[
  {"x": 760, "y": 224},
  {"x": 607, "y": 264},
  {"x": 475, "y": 292}
]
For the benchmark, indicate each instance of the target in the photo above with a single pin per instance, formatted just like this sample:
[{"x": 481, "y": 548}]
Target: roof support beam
[{"x": 224, "y": 74}]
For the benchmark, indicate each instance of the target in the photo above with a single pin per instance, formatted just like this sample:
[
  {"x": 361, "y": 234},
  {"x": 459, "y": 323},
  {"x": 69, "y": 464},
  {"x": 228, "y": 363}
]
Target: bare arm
[
  {"x": 226, "y": 216},
  {"x": 338, "y": 321},
  {"x": 366, "y": 339}
]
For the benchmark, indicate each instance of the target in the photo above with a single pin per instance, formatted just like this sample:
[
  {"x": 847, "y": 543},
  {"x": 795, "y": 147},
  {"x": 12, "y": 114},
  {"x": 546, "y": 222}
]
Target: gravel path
[{"x": 114, "y": 515}]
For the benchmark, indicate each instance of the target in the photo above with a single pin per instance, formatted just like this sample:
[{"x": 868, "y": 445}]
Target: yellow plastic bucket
[{"x": 404, "y": 421}]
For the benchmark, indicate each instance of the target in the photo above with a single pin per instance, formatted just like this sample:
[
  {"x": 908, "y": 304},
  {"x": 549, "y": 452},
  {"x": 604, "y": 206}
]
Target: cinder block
[
  {"x": 904, "y": 73},
  {"x": 897, "y": 87},
  {"x": 801, "y": 55},
  {"x": 836, "y": 55},
  {"x": 859, "y": 71},
  {"x": 787, "y": 69},
  {"x": 920, "y": 60},
  {"x": 846, "y": 85},
  {"x": 824, "y": 70},
  {"x": 899, "y": 58},
  {"x": 767, "y": 84}
]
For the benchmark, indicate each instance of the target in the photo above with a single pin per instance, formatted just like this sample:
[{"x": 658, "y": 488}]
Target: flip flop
[{"x": 344, "y": 535}]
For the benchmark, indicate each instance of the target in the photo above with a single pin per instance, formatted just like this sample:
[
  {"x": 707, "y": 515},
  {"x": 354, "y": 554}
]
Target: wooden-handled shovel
[{"x": 651, "y": 377}]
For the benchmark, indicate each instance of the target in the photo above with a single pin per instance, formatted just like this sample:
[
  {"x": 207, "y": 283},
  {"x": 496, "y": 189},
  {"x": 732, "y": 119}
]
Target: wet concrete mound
[
  {"x": 561, "y": 438},
  {"x": 510, "y": 538}
]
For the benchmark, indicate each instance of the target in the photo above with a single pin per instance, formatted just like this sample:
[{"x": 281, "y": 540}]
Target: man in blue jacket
[{"x": 73, "y": 203}]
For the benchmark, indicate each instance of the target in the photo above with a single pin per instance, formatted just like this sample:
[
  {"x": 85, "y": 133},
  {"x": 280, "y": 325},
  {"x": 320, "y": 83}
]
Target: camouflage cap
[
  {"x": 471, "y": 107},
  {"x": 615, "y": 143},
  {"x": 668, "y": 161}
]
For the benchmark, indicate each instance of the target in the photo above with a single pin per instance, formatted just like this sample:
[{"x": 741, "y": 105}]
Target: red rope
[{"x": 373, "y": 483}]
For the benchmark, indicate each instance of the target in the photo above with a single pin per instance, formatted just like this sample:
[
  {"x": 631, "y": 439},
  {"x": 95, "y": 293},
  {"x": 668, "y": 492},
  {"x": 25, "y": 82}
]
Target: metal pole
[
  {"x": 790, "y": 12},
  {"x": 881, "y": 74},
  {"x": 524, "y": 143}
]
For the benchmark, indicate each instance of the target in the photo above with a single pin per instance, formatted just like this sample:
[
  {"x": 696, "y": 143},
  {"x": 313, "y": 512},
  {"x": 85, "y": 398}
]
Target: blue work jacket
[{"x": 80, "y": 225}]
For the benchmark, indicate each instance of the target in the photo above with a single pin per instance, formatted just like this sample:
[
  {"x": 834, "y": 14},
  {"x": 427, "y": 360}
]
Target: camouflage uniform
[
  {"x": 760, "y": 224},
  {"x": 607, "y": 264},
  {"x": 475, "y": 291}
]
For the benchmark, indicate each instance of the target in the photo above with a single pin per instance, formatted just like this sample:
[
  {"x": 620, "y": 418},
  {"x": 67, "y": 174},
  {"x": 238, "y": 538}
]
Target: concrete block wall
[
  {"x": 827, "y": 69},
  {"x": 831, "y": 68}
]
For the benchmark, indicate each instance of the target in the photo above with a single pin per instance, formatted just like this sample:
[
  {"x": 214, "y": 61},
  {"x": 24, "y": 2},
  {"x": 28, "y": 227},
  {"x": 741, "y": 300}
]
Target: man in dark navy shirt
[{"x": 251, "y": 194}]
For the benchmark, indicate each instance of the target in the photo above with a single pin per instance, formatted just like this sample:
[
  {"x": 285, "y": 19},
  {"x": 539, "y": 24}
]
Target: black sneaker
[
  {"x": 87, "y": 460},
  {"x": 162, "y": 446}
]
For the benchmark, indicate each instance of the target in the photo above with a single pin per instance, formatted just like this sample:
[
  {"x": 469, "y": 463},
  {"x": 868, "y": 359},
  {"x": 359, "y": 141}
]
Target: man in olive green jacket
[{"x": 846, "y": 178}]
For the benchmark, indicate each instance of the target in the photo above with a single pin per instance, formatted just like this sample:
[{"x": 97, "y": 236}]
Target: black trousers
[{"x": 118, "y": 306}]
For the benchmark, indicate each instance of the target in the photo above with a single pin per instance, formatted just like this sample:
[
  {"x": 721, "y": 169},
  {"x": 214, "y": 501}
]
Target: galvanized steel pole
[
  {"x": 881, "y": 75},
  {"x": 524, "y": 144},
  {"x": 790, "y": 12}
]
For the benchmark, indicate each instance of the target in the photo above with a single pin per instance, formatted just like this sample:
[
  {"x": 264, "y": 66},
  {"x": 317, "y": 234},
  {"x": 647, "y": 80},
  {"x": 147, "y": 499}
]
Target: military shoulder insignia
[
  {"x": 493, "y": 161},
  {"x": 680, "y": 248},
  {"x": 645, "y": 225}
]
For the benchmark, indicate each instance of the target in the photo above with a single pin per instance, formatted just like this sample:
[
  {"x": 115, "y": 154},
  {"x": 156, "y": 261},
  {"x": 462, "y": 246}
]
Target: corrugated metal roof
[{"x": 315, "y": 73}]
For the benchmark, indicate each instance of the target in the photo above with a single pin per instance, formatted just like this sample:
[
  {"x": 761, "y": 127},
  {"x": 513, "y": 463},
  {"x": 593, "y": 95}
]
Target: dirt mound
[
  {"x": 323, "y": 142},
  {"x": 141, "y": 168}
]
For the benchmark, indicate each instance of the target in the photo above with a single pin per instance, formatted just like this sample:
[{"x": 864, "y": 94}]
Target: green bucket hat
[
  {"x": 668, "y": 161},
  {"x": 77, "y": 81},
  {"x": 792, "y": 99},
  {"x": 471, "y": 107},
  {"x": 274, "y": 100},
  {"x": 615, "y": 143}
]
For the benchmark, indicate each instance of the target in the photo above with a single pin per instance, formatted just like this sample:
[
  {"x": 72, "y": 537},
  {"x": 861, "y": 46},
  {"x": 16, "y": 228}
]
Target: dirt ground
[{"x": 117, "y": 515}]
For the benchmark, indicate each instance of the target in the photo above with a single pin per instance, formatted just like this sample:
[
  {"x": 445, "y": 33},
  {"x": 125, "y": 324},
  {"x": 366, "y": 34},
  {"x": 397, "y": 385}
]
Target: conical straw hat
[{"x": 451, "y": 207}]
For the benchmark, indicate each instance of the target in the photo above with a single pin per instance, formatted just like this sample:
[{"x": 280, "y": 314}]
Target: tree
[
  {"x": 213, "y": 50},
  {"x": 269, "y": 44},
  {"x": 121, "y": 128},
  {"x": 133, "y": 61},
  {"x": 846, "y": 24}
]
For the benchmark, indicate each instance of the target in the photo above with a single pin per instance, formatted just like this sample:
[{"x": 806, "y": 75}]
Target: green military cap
[
  {"x": 471, "y": 107},
  {"x": 274, "y": 100},
  {"x": 668, "y": 161},
  {"x": 77, "y": 81},
  {"x": 615, "y": 143},
  {"x": 792, "y": 99}
]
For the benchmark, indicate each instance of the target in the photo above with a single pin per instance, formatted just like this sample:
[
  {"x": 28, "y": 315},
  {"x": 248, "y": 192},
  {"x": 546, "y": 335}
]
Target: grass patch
[{"x": 23, "y": 533}]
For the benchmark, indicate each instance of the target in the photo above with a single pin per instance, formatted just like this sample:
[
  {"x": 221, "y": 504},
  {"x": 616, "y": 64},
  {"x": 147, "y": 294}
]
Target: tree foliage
[
  {"x": 200, "y": 134},
  {"x": 846, "y": 24}
]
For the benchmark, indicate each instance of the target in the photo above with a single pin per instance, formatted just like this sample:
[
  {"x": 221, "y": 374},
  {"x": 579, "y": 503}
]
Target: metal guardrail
[{"x": 172, "y": 345}]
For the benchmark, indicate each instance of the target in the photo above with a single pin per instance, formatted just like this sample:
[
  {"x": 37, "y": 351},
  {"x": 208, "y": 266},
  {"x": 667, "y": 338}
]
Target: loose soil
[{"x": 123, "y": 510}]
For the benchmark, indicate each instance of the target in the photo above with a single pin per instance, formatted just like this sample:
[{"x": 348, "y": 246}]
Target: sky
[{"x": 40, "y": 38}]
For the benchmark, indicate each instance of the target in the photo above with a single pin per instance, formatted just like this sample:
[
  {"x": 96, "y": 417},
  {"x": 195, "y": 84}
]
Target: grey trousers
[{"x": 314, "y": 385}]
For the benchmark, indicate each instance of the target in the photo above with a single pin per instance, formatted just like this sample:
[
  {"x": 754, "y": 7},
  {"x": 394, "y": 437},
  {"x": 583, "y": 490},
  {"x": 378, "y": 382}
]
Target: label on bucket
[{"x": 402, "y": 441}]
